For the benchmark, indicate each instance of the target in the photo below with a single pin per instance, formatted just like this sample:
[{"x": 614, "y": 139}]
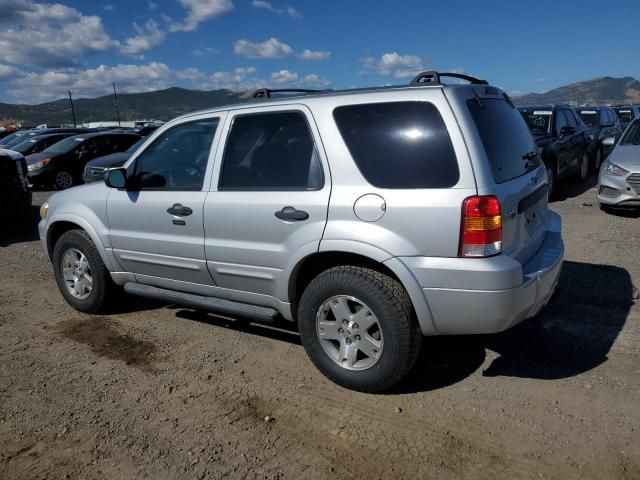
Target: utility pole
[
  {"x": 115, "y": 98},
  {"x": 73, "y": 112}
]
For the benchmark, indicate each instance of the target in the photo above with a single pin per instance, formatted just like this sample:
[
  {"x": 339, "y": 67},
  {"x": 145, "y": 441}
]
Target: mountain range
[{"x": 169, "y": 103}]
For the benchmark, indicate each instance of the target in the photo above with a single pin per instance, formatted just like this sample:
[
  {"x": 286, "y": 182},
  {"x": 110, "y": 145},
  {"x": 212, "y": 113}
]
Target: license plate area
[{"x": 533, "y": 209}]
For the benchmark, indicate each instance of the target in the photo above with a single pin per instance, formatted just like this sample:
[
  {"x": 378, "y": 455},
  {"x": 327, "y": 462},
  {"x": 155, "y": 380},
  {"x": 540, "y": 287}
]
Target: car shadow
[
  {"x": 21, "y": 230},
  {"x": 572, "y": 335},
  {"x": 623, "y": 212},
  {"x": 566, "y": 189}
]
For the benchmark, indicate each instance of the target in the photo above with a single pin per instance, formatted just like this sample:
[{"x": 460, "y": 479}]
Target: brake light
[{"x": 481, "y": 228}]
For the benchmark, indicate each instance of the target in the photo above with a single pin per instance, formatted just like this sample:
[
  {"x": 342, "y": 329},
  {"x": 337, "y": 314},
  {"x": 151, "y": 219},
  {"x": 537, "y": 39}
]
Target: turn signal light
[{"x": 481, "y": 227}]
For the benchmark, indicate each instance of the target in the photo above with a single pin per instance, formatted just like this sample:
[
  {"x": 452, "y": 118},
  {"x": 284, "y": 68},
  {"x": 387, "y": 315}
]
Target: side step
[{"x": 217, "y": 305}]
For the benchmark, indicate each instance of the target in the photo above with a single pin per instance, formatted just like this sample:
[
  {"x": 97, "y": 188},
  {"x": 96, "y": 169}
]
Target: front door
[
  {"x": 268, "y": 202},
  {"x": 155, "y": 225}
]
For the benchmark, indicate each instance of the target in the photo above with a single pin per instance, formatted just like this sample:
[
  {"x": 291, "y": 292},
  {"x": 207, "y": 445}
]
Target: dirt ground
[{"x": 163, "y": 392}]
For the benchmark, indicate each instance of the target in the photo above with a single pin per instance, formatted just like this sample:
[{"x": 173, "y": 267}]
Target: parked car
[
  {"x": 562, "y": 138},
  {"x": 626, "y": 114},
  {"x": 602, "y": 122},
  {"x": 145, "y": 130},
  {"x": 38, "y": 143},
  {"x": 61, "y": 165},
  {"x": 619, "y": 179},
  {"x": 94, "y": 171},
  {"x": 370, "y": 217},
  {"x": 6, "y": 131},
  {"x": 15, "y": 190},
  {"x": 22, "y": 135}
]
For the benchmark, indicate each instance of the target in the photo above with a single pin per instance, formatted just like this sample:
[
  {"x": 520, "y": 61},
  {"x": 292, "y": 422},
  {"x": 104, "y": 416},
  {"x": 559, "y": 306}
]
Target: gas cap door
[{"x": 370, "y": 207}]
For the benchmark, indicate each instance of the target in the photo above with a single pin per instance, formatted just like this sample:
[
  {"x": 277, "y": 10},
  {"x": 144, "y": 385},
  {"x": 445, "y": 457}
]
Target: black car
[
  {"x": 15, "y": 191},
  {"x": 602, "y": 123},
  {"x": 22, "y": 135},
  {"x": 62, "y": 164},
  {"x": 626, "y": 114},
  {"x": 94, "y": 171},
  {"x": 148, "y": 129},
  {"x": 38, "y": 143},
  {"x": 562, "y": 139}
]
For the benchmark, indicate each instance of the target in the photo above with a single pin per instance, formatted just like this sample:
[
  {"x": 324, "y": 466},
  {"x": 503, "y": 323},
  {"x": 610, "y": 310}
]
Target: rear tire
[
  {"x": 597, "y": 160},
  {"x": 551, "y": 181},
  {"x": 86, "y": 284},
  {"x": 371, "y": 357},
  {"x": 583, "y": 169}
]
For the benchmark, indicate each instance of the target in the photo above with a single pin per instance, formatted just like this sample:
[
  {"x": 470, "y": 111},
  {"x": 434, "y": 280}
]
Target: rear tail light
[{"x": 481, "y": 229}]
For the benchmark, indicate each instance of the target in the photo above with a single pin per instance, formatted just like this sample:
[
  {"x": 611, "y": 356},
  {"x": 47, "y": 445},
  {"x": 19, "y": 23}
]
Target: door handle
[
  {"x": 179, "y": 211},
  {"x": 291, "y": 214}
]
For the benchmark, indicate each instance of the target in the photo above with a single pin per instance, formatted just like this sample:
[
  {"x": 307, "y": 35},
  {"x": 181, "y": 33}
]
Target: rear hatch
[{"x": 513, "y": 169}]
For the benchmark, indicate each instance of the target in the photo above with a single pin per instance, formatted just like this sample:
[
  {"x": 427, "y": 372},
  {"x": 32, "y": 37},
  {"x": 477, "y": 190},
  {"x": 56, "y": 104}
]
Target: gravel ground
[{"x": 163, "y": 392}]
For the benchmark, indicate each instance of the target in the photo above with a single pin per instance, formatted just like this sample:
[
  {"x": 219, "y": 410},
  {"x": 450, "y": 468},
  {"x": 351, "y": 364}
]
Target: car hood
[
  {"x": 626, "y": 156},
  {"x": 112, "y": 160},
  {"x": 86, "y": 194},
  {"x": 36, "y": 157}
]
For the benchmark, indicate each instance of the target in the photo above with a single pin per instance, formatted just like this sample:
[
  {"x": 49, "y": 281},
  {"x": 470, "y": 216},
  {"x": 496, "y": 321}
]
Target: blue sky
[{"x": 49, "y": 48}]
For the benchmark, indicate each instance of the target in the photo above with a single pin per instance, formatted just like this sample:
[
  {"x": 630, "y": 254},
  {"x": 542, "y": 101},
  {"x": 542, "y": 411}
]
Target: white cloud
[
  {"x": 152, "y": 5},
  {"x": 49, "y": 34},
  {"x": 148, "y": 37},
  {"x": 190, "y": 74},
  {"x": 7, "y": 72},
  {"x": 314, "y": 81},
  {"x": 200, "y": 11},
  {"x": 399, "y": 66},
  {"x": 540, "y": 80},
  {"x": 314, "y": 55},
  {"x": 271, "y": 48},
  {"x": 290, "y": 11},
  {"x": 201, "y": 52},
  {"x": 108, "y": 7},
  {"x": 91, "y": 82},
  {"x": 284, "y": 76}
]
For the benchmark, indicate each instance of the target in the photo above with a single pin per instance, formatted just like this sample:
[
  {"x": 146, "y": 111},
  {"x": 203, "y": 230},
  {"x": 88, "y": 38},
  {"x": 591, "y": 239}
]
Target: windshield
[
  {"x": 589, "y": 117},
  {"x": 632, "y": 135},
  {"x": 538, "y": 121},
  {"x": 24, "y": 145},
  {"x": 15, "y": 138},
  {"x": 624, "y": 114},
  {"x": 135, "y": 146},
  {"x": 505, "y": 137},
  {"x": 64, "y": 146}
]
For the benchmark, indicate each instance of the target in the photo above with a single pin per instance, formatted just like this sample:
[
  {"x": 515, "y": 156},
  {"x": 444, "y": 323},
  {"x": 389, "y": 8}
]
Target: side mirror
[
  {"x": 116, "y": 178},
  {"x": 609, "y": 142}
]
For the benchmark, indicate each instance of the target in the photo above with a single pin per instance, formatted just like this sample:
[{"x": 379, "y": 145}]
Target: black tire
[
  {"x": 597, "y": 160},
  {"x": 388, "y": 300},
  {"x": 583, "y": 169},
  {"x": 551, "y": 180},
  {"x": 63, "y": 180},
  {"x": 103, "y": 291}
]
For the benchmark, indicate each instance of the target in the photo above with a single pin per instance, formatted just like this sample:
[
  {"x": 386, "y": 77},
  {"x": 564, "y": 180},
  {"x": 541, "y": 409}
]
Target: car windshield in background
[
  {"x": 135, "y": 146},
  {"x": 538, "y": 121},
  {"x": 589, "y": 117},
  {"x": 64, "y": 146},
  {"x": 505, "y": 137},
  {"x": 23, "y": 146},
  {"x": 624, "y": 114},
  {"x": 14, "y": 139},
  {"x": 632, "y": 136}
]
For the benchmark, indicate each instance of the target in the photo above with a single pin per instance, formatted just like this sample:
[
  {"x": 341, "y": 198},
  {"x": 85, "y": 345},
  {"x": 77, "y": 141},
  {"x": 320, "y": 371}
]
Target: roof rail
[
  {"x": 266, "y": 92},
  {"x": 433, "y": 77}
]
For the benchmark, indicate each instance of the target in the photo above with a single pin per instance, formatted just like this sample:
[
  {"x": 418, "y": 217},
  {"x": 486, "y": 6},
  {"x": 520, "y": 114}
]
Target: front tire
[
  {"x": 359, "y": 329},
  {"x": 63, "y": 180},
  {"x": 551, "y": 181},
  {"x": 597, "y": 160},
  {"x": 80, "y": 273},
  {"x": 583, "y": 169}
]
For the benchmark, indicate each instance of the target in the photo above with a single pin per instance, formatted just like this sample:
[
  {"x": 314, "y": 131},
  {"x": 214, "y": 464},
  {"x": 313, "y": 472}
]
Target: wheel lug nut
[
  {"x": 355, "y": 325},
  {"x": 357, "y": 337},
  {"x": 348, "y": 341},
  {"x": 340, "y": 330}
]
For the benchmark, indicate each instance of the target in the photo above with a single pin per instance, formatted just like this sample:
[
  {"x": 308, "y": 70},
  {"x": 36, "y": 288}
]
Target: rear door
[
  {"x": 519, "y": 185},
  {"x": 155, "y": 226},
  {"x": 268, "y": 202},
  {"x": 562, "y": 142}
]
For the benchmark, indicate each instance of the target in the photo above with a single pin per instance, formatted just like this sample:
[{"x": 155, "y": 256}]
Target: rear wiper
[{"x": 528, "y": 157}]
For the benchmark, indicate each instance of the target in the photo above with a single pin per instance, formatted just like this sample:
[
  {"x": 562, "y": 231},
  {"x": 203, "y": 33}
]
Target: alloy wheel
[
  {"x": 64, "y": 180},
  {"x": 76, "y": 273}
]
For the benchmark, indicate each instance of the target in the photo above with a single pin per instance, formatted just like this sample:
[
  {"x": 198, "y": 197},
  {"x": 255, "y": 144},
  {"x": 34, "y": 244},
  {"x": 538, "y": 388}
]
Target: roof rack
[
  {"x": 267, "y": 92},
  {"x": 433, "y": 77}
]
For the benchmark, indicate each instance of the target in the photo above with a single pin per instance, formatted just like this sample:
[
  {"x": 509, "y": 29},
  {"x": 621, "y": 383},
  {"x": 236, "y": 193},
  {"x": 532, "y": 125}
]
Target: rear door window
[
  {"x": 399, "y": 144},
  {"x": 505, "y": 137}
]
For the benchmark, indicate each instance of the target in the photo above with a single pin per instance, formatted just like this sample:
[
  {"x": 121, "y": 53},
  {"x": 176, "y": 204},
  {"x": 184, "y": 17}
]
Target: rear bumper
[{"x": 470, "y": 296}]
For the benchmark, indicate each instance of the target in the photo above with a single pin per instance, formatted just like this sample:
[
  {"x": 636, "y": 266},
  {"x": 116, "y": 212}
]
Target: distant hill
[
  {"x": 158, "y": 105},
  {"x": 604, "y": 90}
]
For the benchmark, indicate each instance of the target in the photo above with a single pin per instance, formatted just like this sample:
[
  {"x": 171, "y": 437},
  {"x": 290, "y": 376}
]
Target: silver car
[
  {"x": 619, "y": 179},
  {"x": 370, "y": 217}
]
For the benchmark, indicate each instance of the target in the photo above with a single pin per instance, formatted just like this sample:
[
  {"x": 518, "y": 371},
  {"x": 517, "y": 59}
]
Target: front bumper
[
  {"x": 623, "y": 191},
  {"x": 471, "y": 296}
]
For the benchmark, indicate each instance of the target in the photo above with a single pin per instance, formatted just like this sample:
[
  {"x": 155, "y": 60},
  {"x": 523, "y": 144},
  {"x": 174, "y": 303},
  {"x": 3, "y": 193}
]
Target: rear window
[
  {"x": 399, "y": 144},
  {"x": 589, "y": 117},
  {"x": 624, "y": 114},
  {"x": 505, "y": 137}
]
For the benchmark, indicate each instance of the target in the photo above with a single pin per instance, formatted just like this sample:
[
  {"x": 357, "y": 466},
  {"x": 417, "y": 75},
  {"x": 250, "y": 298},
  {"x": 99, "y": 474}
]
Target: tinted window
[
  {"x": 632, "y": 135},
  {"x": 571, "y": 119},
  {"x": 560, "y": 121},
  {"x": 589, "y": 117},
  {"x": 504, "y": 135},
  {"x": 399, "y": 144},
  {"x": 271, "y": 151},
  {"x": 624, "y": 114},
  {"x": 538, "y": 121},
  {"x": 177, "y": 159}
]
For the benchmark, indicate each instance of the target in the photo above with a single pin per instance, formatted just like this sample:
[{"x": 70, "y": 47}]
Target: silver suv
[{"x": 370, "y": 217}]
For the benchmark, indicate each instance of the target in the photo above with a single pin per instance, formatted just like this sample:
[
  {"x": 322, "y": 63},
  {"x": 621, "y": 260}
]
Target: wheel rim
[
  {"x": 76, "y": 273},
  {"x": 584, "y": 167},
  {"x": 349, "y": 332},
  {"x": 64, "y": 179}
]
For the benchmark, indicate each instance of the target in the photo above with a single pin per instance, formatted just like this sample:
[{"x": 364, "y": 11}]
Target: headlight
[
  {"x": 44, "y": 209},
  {"x": 613, "y": 169},
  {"x": 38, "y": 165}
]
